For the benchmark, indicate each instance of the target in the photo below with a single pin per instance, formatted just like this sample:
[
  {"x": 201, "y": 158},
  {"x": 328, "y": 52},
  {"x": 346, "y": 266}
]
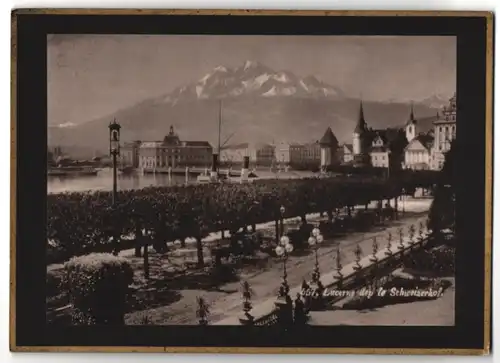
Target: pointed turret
[
  {"x": 361, "y": 125},
  {"x": 359, "y": 135},
  {"x": 329, "y": 145},
  {"x": 328, "y": 139},
  {"x": 411, "y": 126},
  {"x": 411, "y": 119}
]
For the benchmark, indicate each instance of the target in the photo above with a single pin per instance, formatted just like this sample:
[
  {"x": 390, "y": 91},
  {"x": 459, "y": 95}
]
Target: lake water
[{"x": 104, "y": 181}]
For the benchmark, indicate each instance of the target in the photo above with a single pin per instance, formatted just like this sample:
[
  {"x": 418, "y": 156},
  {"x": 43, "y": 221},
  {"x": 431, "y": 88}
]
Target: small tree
[
  {"x": 97, "y": 287},
  {"x": 247, "y": 294},
  {"x": 202, "y": 311}
]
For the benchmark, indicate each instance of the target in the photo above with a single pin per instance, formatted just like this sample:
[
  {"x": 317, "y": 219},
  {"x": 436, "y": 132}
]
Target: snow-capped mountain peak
[
  {"x": 252, "y": 79},
  {"x": 249, "y": 64},
  {"x": 433, "y": 101},
  {"x": 220, "y": 69},
  {"x": 282, "y": 77}
]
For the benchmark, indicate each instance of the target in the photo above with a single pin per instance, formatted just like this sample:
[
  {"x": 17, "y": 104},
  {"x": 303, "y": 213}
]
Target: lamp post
[
  {"x": 284, "y": 303},
  {"x": 114, "y": 150},
  {"x": 283, "y": 249},
  {"x": 314, "y": 241},
  {"x": 282, "y": 214}
]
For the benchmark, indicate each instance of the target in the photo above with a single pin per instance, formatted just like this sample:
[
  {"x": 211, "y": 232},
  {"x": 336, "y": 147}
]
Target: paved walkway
[
  {"x": 327, "y": 279},
  {"x": 225, "y": 302}
]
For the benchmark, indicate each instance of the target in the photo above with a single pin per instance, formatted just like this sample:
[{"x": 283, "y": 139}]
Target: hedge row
[{"x": 81, "y": 223}]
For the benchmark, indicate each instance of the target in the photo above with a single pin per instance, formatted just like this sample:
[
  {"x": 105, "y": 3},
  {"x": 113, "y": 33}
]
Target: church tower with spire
[
  {"x": 411, "y": 126},
  {"x": 359, "y": 133},
  {"x": 360, "y": 140}
]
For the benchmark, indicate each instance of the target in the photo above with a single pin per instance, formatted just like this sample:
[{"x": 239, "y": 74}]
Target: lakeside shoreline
[{"x": 102, "y": 182}]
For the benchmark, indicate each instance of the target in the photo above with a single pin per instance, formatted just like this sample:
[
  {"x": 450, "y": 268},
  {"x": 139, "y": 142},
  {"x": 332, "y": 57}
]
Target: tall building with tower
[
  {"x": 359, "y": 134},
  {"x": 361, "y": 140},
  {"x": 426, "y": 150},
  {"x": 411, "y": 126},
  {"x": 382, "y": 148},
  {"x": 445, "y": 131},
  {"x": 170, "y": 152},
  {"x": 417, "y": 154}
]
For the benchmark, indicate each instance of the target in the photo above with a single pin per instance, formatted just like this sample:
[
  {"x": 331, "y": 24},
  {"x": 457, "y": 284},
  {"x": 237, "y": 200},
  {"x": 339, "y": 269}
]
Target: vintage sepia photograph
[{"x": 251, "y": 180}]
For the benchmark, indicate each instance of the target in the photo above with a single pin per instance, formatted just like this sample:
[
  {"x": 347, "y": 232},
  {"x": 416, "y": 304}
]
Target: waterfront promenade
[
  {"x": 175, "y": 290},
  {"x": 226, "y": 302}
]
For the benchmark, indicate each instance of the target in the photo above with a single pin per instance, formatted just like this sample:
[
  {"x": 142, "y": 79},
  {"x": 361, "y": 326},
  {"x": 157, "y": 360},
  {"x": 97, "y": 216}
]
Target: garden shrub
[
  {"x": 97, "y": 287},
  {"x": 440, "y": 261}
]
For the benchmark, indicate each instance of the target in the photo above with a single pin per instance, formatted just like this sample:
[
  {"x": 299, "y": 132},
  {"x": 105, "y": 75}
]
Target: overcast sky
[{"x": 90, "y": 76}]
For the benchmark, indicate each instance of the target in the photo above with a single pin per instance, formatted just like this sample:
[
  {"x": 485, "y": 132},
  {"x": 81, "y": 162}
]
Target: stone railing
[{"x": 352, "y": 276}]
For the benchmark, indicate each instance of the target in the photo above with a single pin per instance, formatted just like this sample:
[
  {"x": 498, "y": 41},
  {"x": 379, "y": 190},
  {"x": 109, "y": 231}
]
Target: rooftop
[{"x": 328, "y": 138}]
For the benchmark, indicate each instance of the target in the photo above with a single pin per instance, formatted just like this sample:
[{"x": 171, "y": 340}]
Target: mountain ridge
[{"x": 258, "y": 105}]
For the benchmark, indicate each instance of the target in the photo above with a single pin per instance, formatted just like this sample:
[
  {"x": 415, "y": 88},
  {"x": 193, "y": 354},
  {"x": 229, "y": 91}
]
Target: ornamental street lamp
[
  {"x": 314, "y": 241},
  {"x": 283, "y": 249},
  {"x": 114, "y": 150},
  {"x": 282, "y": 214}
]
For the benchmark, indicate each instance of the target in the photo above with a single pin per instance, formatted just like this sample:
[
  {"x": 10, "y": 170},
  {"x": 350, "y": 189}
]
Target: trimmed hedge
[{"x": 97, "y": 287}]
